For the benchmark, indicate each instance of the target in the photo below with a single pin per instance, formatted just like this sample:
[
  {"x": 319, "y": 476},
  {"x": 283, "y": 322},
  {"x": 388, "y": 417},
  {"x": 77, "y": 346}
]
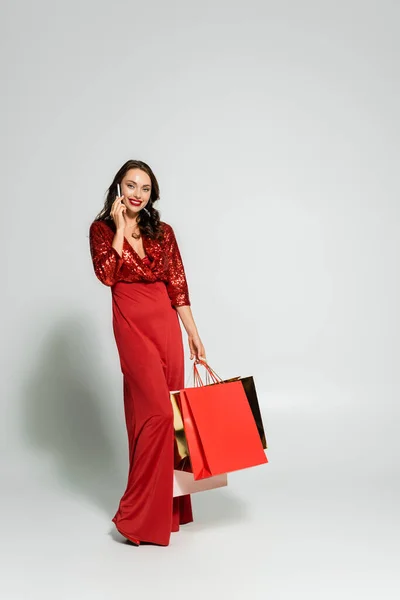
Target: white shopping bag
[{"x": 184, "y": 483}]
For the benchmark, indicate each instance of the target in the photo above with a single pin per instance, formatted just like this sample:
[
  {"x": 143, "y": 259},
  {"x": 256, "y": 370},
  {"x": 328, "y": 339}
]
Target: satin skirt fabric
[{"x": 149, "y": 341}]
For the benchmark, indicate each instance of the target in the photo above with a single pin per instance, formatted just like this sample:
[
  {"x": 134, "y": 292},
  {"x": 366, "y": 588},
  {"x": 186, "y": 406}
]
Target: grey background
[{"x": 273, "y": 130}]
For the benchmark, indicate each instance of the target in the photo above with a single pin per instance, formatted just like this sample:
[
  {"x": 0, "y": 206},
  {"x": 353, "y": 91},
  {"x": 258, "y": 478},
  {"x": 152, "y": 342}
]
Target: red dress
[{"x": 148, "y": 336}]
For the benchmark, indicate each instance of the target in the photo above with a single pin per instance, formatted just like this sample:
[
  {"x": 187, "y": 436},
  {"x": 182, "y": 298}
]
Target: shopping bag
[
  {"x": 181, "y": 448},
  {"x": 251, "y": 395},
  {"x": 220, "y": 429},
  {"x": 185, "y": 483},
  {"x": 250, "y": 390}
]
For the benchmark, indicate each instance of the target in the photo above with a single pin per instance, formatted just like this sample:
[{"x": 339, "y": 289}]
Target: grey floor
[
  {"x": 320, "y": 520},
  {"x": 273, "y": 129}
]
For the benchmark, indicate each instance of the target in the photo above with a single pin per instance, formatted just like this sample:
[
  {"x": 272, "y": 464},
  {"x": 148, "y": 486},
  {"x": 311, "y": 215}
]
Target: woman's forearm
[
  {"x": 195, "y": 344},
  {"x": 186, "y": 316},
  {"x": 118, "y": 241}
]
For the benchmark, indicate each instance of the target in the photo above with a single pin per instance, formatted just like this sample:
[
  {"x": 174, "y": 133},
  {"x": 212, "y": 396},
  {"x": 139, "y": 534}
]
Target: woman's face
[{"x": 136, "y": 189}]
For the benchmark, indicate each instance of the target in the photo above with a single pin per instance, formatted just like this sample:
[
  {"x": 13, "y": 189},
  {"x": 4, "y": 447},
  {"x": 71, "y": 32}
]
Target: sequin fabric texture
[{"x": 164, "y": 261}]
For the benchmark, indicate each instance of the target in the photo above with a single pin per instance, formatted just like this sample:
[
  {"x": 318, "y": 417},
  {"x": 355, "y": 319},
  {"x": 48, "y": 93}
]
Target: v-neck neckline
[{"x": 133, "y": 249}]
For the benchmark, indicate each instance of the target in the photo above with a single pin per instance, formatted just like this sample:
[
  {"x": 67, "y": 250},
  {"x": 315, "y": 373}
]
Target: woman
[{"x": 137, "y": 255}]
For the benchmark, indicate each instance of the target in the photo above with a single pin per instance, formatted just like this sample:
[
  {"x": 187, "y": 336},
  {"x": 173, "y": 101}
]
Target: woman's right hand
[{"x": 118, "y": 210}]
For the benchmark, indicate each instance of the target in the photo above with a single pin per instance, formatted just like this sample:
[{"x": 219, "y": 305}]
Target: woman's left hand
[{"x": 196, "y": 348}]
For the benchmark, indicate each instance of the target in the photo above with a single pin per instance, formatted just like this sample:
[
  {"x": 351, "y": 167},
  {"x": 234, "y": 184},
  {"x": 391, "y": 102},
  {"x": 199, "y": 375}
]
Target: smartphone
[{"x": 118, "y": 189}]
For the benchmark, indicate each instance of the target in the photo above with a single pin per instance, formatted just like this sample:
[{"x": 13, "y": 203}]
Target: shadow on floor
[{"x": 69, "y": 415}]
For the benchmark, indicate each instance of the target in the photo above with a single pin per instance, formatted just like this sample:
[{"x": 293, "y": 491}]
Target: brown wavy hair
[{"x": 149, "y": 217}]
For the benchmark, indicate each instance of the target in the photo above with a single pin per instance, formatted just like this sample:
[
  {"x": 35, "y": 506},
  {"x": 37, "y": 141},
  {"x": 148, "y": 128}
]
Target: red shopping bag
[{"x": 221, "y": 433}]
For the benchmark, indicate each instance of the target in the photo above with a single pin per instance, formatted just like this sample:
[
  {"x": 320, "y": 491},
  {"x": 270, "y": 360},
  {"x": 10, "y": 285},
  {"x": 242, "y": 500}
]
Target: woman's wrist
[
  {"x": 192, "y": 333},
  {"x": 118, "y": 241}
]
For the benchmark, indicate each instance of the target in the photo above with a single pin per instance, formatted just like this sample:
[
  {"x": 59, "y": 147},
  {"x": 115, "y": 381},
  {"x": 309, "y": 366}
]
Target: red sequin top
[{"x": 162, "y": 262}]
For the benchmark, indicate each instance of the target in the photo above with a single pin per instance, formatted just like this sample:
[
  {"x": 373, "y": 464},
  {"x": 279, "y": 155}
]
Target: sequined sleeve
[
  {"x": 106, "y": 260},
  {"x": 176, "y": 285}
]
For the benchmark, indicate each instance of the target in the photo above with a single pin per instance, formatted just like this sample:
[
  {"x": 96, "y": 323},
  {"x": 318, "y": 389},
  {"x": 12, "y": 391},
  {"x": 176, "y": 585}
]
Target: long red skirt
[{"x": 149, "y": 341}]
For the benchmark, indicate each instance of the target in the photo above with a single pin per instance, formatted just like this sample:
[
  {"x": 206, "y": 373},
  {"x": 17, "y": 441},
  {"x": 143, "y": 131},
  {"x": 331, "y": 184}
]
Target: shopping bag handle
[{"x": 211, "y": 375}]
